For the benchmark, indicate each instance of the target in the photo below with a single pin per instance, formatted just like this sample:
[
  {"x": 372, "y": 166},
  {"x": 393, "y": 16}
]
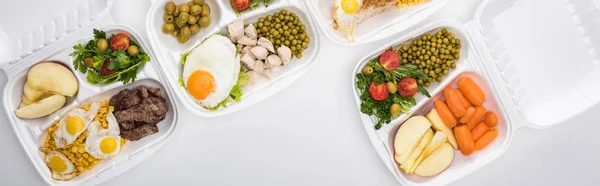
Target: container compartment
[{"x": 253, "y": 93}]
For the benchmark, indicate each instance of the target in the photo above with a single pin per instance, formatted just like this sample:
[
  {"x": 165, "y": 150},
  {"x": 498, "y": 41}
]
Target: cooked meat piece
[
  {"x": 142, "y": 91},
  {"x": 154, "y": 92},
  {"x": 151, "y": 110},
  {"x": 126, "y": 125},
  {"x": 139, "y": 132},
  {"x": 125, "y": 99}
]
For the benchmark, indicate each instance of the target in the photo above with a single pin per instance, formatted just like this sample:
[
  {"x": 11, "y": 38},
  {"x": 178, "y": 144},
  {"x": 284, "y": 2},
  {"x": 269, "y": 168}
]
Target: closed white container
[{"x": 538, "y": 66}]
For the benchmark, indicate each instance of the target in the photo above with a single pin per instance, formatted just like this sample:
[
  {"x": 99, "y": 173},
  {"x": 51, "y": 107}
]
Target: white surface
[{"x": 309, "y": 134}]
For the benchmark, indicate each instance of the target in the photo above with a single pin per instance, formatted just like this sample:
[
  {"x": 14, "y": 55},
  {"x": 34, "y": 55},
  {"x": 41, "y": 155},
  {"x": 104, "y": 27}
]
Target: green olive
[
  {"x": 205, "y": 10},
  {"x": 199, "y": 2},
  {"x": 168, "y": 18},
  {"x": 395, "y": 110},
  {"x": 192, "y": 20},
  {"x": 175, "y": 33},
  {"x": 170, "y": 8},
  {"x": 196, "y": 10},
  {"x": 195, "y": 28},
  {"x": 185, "y": 31},
  {"x": 102, "y": 44},
  {"x": 184, "y": 8},
  {"x": 182, "y": 39},
  {"x": 367, "y": 70},
  {"x": 168, "y": 28},
  {"x": 183, "y": 17},
  {"x": 176, "y": 13},
  {"x": 89, "y": 62},
  {"x": 204, "y": 21},
  {"x": 392, "y": 88},
  {"x": 133, "y": 50}
]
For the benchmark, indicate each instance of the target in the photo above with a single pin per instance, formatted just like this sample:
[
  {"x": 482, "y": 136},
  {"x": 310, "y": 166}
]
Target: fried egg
[
  {"x": 345, "y": 16},
  {"x": 60, "y": 166},
  {"x": 103, "y": 143},
  {"x": 211, "y": 70},
  {"x": 72, "y": 124}
]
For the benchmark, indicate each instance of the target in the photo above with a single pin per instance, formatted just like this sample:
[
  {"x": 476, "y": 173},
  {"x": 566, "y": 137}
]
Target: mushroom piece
[
  {"x": 259, "y": 52},
  {"x": 285, "y": 54},
  {"x": 266, "y": 43},
  {"x": 274, "y": 60},
  {"x": 246, "y": 50},
  {"x": 259, "y": 66},
  {"x": 267, "y": 73},
  {"x": 251, "y": 31},
  {"x": 248, "y": 61},
  {"x": 236, "y": 30},
  {"x": 245, "y": 40},
  {"x": 267, "y": 65},
  {"x": 253, "y": 76}
]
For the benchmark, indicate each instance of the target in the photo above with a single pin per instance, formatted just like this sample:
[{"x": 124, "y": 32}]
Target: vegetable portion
[{"x": 242, "y": 5}]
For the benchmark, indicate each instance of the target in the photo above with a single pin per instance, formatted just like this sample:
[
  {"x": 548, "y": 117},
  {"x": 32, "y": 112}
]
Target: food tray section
[
  {"x": 62, "y": 115},
  {"x": 274, "y": 46}
]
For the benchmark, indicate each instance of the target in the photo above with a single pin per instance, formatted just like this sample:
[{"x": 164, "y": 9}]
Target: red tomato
[
  {"x": 378, "y": 92},
  {"x": 104, "y": 70},
  {"x": 389, "y": 60},
  {"x": 240, "y": 4},
  {"x": 120, "y": 41},
  {"x": 407, "y": 87}
]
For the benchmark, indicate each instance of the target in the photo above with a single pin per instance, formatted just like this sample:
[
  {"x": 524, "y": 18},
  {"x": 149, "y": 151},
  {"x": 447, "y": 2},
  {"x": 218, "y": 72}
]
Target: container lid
[
  {"x": 28, "y": 27},
  {"x": 541, "y": 54}
]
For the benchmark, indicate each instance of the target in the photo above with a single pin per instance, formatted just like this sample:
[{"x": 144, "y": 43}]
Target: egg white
[
  {"x": 96, "y": 133},
  {"x": 64, "y": 175},
  {"x": 345, "y": 22},
  {"x": 216, "y": 55},
  {"x": 62, "y": 136}
]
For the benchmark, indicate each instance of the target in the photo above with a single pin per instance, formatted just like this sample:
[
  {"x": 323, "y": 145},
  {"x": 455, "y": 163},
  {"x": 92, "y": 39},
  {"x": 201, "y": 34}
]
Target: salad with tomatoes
[
  {"x": 108, "y": 59},
  {"x": 388, "y": 87},
  {"x": 241, "y": 5}
]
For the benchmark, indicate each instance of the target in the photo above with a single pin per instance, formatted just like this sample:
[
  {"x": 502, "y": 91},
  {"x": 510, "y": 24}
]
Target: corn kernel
[
  {"x": 111, "y": 108},
  {"x": 103, "y": 103},
  {"x": 74, "y": 149},
  {"x": 80, "y": 168},
  {"x": 104, "y": 125},
  {"x": 78, "y": 155},
  {"x": 91, "y": 159},
  {"x": 89, "y": 167},
  {"x": 81, "y": 150},
  {"x": 85, "y": 155},
  {"x": 97, "y": 118},
  {"x": 86, "y": 107}
]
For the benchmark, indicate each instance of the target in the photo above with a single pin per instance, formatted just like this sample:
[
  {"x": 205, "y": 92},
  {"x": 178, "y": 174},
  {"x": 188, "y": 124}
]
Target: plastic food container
[
  {"x": 53, "y": 41},
  {"x": 169, "y": 51},
  {"x": 376, "y": 27},
  {"x": 537, "y": 70}
]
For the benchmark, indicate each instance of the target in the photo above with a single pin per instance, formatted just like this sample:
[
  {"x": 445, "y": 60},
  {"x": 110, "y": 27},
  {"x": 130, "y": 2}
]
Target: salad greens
[{"x": 253, "y": 4}]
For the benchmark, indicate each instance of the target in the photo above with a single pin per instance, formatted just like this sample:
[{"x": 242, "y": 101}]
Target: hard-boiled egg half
[
  {"x": 60, "y": 166},
  {"x": 344, "y": 15},
  {"x": 72, "y": 124},
  {"x": 103, "y": 143},
  {"x": 211, "y": 70}
]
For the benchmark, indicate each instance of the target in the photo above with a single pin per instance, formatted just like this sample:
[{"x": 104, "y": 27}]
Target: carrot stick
[
  {"x": 453, "y": 102},
  {"x": 491, "y": 119},
  {"x": 471, "y": 91},
  {"x": 479, "y": 130},
  {"x": 463, "y": 100},
  {"x": 480, "y": 112},
  {"x": 466, "y": 145},
  {"x": 486, "y": 139},
  {"x": 468, "y": 115},
  {"x": 445, "y": 113}
]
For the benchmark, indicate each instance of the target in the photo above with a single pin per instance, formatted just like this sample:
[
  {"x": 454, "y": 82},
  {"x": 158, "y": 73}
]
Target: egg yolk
[
  {"x": 74, "y": 125},
  {"x": 108, "y": 145},
  {"x": 57, "y": 164},
  {"x": 200, "y": 84},
  {"x": 350, "y": 6}
]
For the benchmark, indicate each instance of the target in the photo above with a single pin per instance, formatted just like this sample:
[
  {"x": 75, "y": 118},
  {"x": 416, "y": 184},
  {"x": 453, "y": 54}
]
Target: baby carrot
[
  {"x": 466, "y": 145},
  {"x": 468, "y": 115},
  {"x": 486, "y": 139},
  {"x": 477, "y": 117},
  {"x": 463, "y": 100},
  {"x": 453, "y": 102},
  {"x": 445, "y": 113},
  {"x": 491, "y": 119},
  {"x": 471, "y": 91},
  {"x": 479, "y": 130}
]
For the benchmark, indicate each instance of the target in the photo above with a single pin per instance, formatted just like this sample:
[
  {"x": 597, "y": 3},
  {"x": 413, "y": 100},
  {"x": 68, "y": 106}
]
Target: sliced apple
[
  {"x": 438, "y": 139},
  {"x": 425, "y": 140},
  {"x": 41, "y": 108},
  {"x": 26, "y": 100},
  {"x": 52, "y": 78},
  {"x": 437, "y": 162},
  {"x": 32, "y": 94},
  {"x": 22, "y": 104},
  {"x": 438, "y": 125},
  {"x": 408, "y": 136}
]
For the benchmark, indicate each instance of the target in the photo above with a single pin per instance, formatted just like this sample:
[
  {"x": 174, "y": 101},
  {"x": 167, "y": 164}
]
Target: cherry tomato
[
  {"x": 240, "y": 4},
  {"x": 104, "y": 70},
  {"x": 389, "y": 60},
  {"x": 378, "y": 92},
  {"x": 120, "y": 41}
]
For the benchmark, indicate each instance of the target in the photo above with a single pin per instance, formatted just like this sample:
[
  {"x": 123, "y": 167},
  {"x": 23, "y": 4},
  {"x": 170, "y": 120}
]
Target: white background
[{"x": 310, "y": 134}]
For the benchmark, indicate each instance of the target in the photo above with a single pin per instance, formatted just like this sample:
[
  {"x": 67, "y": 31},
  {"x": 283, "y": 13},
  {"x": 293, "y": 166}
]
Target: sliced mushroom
[
  {"x": 248, "y": 61},
  {"x": 259, "y": 66},
  {"x": 251, "y": 31},
  {"x": 267, "y": 73},
  {"x": 253, "y": 76},
  {"x": 266, "y": 43},
  {"x": 274, "y": 60},
  {"x": 236, "y": 30},
  {"x": 246, "y": 50},
  {"x": 259, "y": 52},
  {"x": 267, "y": 65},
  {"x": 245, "y": 40},
  {"x": 285, "y": 54}
]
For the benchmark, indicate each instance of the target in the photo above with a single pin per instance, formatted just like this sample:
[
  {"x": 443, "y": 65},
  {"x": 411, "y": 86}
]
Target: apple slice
[
  {"x": 437, "y": 162},
  {"x": 426, "y": 139},
  {"x": 22, "y": 104},
  {"x": 52, "y": 78},
  {"x": 41, "y": 108},
  {"x": 26, "y": 100},
  {"x": 32, "y": 94},
  {"x": 438, "y": 125},
  {"x": 438, "y": 139},
  {"x": 408, "y": 135}
]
